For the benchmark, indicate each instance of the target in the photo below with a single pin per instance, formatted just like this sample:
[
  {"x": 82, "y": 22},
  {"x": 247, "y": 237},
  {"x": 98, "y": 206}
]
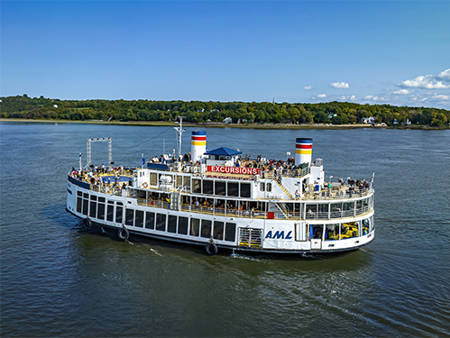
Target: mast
[{"x": 179, "y": 131}]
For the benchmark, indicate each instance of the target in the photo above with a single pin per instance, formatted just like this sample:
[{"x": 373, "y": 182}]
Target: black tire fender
[
  {"x": 87, "y": 223},
  {"x": 123, "y": 233},
  {"x": 211, "y": 249}
]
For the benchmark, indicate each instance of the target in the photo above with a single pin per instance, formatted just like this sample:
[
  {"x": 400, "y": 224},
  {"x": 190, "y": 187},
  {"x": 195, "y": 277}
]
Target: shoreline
[{"x": 229, "y": 125}]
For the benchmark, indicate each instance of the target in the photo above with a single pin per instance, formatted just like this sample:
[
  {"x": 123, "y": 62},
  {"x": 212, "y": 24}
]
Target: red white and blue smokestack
[
  {"x": 303, "y": 150},
  {"x": 198, "y": 145}
]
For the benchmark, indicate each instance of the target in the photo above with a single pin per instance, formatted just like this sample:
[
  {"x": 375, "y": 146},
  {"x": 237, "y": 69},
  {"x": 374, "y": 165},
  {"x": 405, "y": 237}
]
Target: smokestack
[
  {"x": 198, "y": 145},
  {"x": 303, "y": 150}
]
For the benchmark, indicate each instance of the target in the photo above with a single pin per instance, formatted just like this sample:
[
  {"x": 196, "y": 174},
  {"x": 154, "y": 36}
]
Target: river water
[{"x": 58, "y": 280}]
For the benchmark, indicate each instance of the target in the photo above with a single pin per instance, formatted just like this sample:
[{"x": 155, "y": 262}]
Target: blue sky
[{"x": 395, "y": 52}]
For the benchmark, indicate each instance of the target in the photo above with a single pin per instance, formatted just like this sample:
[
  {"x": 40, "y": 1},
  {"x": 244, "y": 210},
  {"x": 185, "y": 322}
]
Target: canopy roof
[{"x": 223, "y": 151}]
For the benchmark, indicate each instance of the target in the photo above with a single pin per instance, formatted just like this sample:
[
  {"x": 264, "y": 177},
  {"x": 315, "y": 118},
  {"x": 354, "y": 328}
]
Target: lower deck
[{"x": 237, "y": 233}]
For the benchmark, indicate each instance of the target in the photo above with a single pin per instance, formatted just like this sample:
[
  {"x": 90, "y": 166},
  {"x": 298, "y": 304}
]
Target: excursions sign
[{"x": 233, "y": 170}]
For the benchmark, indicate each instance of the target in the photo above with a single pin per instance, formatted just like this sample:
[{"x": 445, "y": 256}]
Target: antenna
[{"x": 179, "y": 131}]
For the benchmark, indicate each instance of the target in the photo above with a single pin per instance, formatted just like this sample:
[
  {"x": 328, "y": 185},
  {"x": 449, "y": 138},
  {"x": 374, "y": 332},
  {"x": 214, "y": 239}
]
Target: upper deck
[{"x": 189, "y": 188}]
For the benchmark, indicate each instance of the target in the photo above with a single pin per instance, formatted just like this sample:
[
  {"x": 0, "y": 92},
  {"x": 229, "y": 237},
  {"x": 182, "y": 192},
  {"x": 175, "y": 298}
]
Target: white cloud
[
  {"x": 402, "y": 92},
  {"x": 341, "y": 85},
  {"x": 444, "y": 75},
  {"x": 425, "y": 81},
  {"x": 349, "y": 98},
  {"x": 375, "y": 98},
  {"x": 322, "y": 96},
  {"x": 308, "y": 87},
  {"x": 440, "y": 97}
]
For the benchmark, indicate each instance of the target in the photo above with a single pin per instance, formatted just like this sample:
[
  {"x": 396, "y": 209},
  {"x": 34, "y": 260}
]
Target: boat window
[
  {"x": 85, "y": 195},
  {"x": 79, "y": 193},
  {"x": 129, "y": 215},
  {"x": 269, "y": 187},
  {"x": 206, "y": 228},
  {"x": 349, "y": 230},
  {"x": 153, "y": 179},
  {"x": 149, "y": 220},
  {"x": 365, "y": 203},
  {"x": 218, "y": 230},
  {"x": 230, "y": 232},
  {"x": 195, "y": 226},
  {"x": 348, "y": 209},
  {"x": 93, "y": 209},
  {"x": 187, "y": 183},
  {"x": 110, "y": 213},
  {"x": 359, "y": 204},
  {"x": 183, "y": 225},
  {"x": 208, "y": 187},
  {"x": 85, "y": 206},
  {"x": 93, "y": 198},
  {"x": 371, "y": 224},
  {"x": 220, "y": 206},
  {"x": 298, "y": 210},
  {"x": 196, "y": 186},
  {"x": 262, "y": 186},
  {"x": 79, "y": 204},
  {"x": 101, "y": 211},
  {"x": 311, "y": 210},
  {"x": 336, "y": 209},
  {"x": 119, "y": 211},
  {"x": 179, "y": 181},
  {"x": 365, "y": 226},
  {"x": 138, "y": 222},
  {"x": 322, "y": 210},
  {"x": 331, "y": 232},
  {"x": 161, "y": 222},
  {"x": 233, "y": 189},
  {"x": 220, "y": 188},
  {"x": 315, "y": 231},
  {"x": 172, "y": 224},
  {"x": 245, "y": 189}
]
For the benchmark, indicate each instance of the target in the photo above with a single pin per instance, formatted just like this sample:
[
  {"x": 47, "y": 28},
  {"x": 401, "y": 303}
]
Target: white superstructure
[{"x": 223, "y": 201}]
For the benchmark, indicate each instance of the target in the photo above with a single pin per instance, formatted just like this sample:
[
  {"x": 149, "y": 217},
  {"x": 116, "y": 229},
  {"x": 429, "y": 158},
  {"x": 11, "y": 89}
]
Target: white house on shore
[{"x": 368, "y": 120}]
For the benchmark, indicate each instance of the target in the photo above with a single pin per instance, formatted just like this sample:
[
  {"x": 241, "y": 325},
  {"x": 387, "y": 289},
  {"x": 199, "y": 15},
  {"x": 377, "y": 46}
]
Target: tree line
[{"x": 200, "y": 112}]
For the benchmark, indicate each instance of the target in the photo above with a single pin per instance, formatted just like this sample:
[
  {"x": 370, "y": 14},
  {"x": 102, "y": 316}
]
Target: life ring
[
  {"x": 211, "y": 249},
  {"x": 123, "y": 233},
  {"x": 145, "y": 185},
  {"x": 87, "y": 223}
]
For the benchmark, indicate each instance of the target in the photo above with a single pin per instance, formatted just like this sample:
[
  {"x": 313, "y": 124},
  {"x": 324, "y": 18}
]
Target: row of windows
[
  {"x": 209, "y": 187},
  {"x": 221, "y": 188},
  {"x": 155, "y": 221}
]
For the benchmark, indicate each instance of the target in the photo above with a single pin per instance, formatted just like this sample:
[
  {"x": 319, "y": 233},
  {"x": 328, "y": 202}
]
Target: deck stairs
[{"x": 284, "y": 189}]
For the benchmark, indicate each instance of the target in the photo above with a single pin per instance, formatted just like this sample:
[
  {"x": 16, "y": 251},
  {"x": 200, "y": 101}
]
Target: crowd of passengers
[
  {"x": 96, "y": 177},
  {"x": 276, "y": 167}
]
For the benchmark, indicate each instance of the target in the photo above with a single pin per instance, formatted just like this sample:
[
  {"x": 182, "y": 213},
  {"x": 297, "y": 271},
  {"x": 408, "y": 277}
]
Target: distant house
[
  {"x": 331, "y": 115},
  {"x": 227, "y": 120},
  {"x": 408, "y": 122},
  {"x": 368, "y": 120},
  {"x": 55, "y": 106},
  {"x": 395, "y": 122},
  {"x": 201, "y": 110}
]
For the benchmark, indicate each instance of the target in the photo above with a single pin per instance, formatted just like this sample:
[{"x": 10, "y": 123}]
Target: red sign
[{"x": 233, "y": 170}]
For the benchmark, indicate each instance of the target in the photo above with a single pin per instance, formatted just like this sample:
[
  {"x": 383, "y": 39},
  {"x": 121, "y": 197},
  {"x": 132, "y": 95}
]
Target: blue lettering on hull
[{"x": 278, "y": 235}]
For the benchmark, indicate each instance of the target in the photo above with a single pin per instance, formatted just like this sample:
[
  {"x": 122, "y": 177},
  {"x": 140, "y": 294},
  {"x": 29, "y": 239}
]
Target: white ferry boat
[{"x": 223, "y": 201}]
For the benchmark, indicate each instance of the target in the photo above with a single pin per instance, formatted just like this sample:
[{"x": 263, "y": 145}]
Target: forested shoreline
[{"x": 334, "y": 113}]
